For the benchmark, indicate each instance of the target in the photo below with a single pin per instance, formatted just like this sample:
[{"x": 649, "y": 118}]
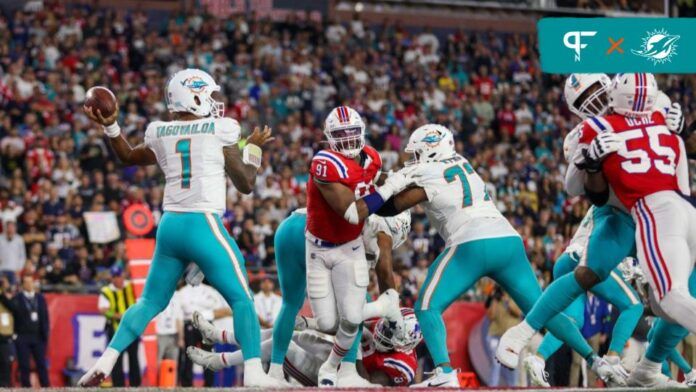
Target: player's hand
[
  {"x": 194, "y": 275},
  {"x": 260, "y": 138},
  {"x": 603, "y": 145},
  {"x": 394, "y": 183},
  {"x": 675, "y": 118},
  {"x": 96, "y": 116}
]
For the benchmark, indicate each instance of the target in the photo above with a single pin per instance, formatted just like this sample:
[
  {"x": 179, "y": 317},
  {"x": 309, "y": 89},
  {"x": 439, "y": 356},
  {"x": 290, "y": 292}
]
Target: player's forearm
[
  {"x": 243, "y": 175},
  {"x": 596, "y": 188},
  {"x": 141, "y": 155},
  {"x": 385, "y": 276}
]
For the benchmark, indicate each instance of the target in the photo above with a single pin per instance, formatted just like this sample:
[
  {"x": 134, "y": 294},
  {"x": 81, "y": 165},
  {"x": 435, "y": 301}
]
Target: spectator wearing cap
[
  {"x": 12, "y": 251},
  {"x": 114, "y": 299},
  {"x": 30, "y": 315}
]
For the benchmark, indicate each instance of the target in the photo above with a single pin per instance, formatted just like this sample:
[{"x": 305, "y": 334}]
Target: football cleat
[
  {"x": 536, "y": 371},
  {"x": 207, "y": 359},
  {"x": 328, "y": 376},
  {"x": 607, "y": 373},
  {"x": 513, "y": 341},
  {"x": 440, "y": 379}
]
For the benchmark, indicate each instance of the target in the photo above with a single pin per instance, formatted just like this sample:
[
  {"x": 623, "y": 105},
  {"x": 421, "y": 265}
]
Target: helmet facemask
[
  {"x": 594, "y": 101},
  {"x": 348, "y": 141},
  {"x": 217, "y": 107}
]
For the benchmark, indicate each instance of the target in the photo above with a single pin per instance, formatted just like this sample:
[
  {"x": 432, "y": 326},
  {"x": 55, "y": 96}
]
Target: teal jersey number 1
[
  {"x": 454, "y": 172},
  {"x": 183, "y": 147}
]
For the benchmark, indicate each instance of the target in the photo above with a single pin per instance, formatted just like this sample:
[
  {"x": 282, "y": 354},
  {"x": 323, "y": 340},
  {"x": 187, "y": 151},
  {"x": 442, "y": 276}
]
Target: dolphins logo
[{"x": 658, "y": 46}]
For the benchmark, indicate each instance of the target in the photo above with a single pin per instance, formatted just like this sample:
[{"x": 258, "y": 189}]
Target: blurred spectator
[
  {"x": 267, "y": 303},
  {"x": 12, "y": 251},
  {"x": 30, "y": 315},
  {"x": 503, "y": 314},
  {"x": 114, "y": 299},
  {"x": 7, "y": 349},
  {"x": 169, "y": 326},
  {"x": 595, "y": 329}
]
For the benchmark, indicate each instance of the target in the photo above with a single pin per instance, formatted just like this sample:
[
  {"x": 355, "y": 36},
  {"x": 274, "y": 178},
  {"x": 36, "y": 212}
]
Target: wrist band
[
  {"x": 251, "y": 155},
  {"x": 113, "y": 130}
]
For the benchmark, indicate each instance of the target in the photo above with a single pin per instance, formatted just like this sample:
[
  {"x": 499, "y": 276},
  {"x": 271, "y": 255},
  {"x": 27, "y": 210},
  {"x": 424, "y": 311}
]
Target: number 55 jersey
[
  {"x": 458, "y": 205},
  {"x": 652, "y": 159}
]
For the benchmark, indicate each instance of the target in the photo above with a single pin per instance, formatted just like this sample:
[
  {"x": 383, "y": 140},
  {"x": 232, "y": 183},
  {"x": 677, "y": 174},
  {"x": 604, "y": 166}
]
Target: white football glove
[
  {"x": 675, "y": 118},
  {"x": 603, "y": 145},
  {"x": 395, "y": 183}
]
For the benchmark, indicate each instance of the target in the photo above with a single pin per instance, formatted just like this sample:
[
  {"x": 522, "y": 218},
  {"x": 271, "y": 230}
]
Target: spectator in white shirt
[
  {"x": 169, "y": 326},
  {"x": 12, "y": 251},
  {"x": 267, "y": 303}
]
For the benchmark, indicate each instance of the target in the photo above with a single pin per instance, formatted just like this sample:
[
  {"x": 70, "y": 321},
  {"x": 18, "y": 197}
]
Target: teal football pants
[
  {"x": 289, "y": 243},
  {"x": 664, "y": 336},
  {"x": 612, "y": 239},
  {"x": 613, "y": 290},
  {"x": 459, "y": 267},
  {"x": 199, "y": 237}
]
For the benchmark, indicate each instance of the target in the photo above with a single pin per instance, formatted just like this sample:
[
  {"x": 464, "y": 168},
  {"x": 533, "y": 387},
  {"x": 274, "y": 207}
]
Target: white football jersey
[
  {"x": 458, "y": 205},
  {"x": 190, "y": 155}
]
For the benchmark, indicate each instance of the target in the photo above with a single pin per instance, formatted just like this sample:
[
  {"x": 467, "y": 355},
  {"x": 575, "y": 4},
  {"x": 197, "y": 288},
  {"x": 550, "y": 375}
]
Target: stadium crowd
[{"x": 508, "y": 117}]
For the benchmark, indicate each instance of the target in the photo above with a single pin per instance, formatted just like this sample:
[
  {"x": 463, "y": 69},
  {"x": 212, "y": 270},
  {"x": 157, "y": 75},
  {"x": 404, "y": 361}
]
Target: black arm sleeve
[
  {"x": 597, "y": 198},
  {"x": 388, "y": 208}
]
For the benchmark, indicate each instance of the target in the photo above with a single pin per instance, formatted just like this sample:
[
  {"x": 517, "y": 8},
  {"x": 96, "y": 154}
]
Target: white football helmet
[
  {"x": 345, "y": 131},
  {"x": 633, "y": 94},
  {"x": 586, "y": 94},
  {"x": 190, "y": 90},
  {"x": 399, "y": 226},
  {"x": 385, "y": 339},
  {"x": 430, "y": 143}
]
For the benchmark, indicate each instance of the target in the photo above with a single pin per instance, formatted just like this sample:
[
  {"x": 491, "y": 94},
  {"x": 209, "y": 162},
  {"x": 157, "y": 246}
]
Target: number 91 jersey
[
  {"x": 651, "y": 160},
  {"x": 190, "y": 155},
  {"x": 329, "y": 166}
]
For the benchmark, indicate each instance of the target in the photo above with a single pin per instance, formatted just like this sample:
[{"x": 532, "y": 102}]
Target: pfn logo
[{"x": 573, "y": 40}]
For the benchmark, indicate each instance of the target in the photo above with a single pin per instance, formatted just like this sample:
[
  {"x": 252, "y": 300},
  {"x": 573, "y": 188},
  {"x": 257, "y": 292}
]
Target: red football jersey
[
  {"x": 329, "y": 166},
  {"x": 400, "y": 367},
  {"x": 647, "y": 165}
]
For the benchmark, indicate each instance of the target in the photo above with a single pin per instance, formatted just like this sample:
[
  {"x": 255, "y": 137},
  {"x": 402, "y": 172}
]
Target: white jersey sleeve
[
  {"x": 458, "y": 205},
  {"x": 190, "y": 155}
]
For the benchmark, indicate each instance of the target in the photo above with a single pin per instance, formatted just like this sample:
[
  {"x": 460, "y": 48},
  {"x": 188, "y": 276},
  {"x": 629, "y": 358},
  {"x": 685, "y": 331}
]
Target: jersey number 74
[{"x": 459, "y": 172}]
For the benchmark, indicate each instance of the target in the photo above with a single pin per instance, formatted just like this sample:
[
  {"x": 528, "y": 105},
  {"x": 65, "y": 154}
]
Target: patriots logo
[
  {"x": 658, "y": 46},
  {"x": 432, "y": 138},
  {"x": 194, "y": 84}
]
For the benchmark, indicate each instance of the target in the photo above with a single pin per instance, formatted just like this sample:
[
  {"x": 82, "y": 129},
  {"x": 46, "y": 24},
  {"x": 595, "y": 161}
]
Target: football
[{"x": 102, "y": 99}]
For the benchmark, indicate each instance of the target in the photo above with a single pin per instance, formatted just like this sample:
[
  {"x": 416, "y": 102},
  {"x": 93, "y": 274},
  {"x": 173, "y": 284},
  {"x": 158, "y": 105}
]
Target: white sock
[
  {"x": 526, "y": 329},
  {"x": 253, "y": 365},
  {"x": 226, "y": 336},
  {"x": 108, "y": 359}
]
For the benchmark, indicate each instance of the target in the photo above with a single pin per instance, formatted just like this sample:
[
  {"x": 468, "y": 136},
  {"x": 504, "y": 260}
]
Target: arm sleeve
[
  {"x": 683, "y": 170},
  {"x": 424, "y": 180},
  {"x": 227, "y": 131}
]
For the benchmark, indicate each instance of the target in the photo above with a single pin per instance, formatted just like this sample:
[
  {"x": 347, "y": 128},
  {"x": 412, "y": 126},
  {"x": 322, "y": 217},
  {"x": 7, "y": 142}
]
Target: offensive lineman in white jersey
[
  {"x": 479, "y": 242},
  {"x": 194, "y": 151}
]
